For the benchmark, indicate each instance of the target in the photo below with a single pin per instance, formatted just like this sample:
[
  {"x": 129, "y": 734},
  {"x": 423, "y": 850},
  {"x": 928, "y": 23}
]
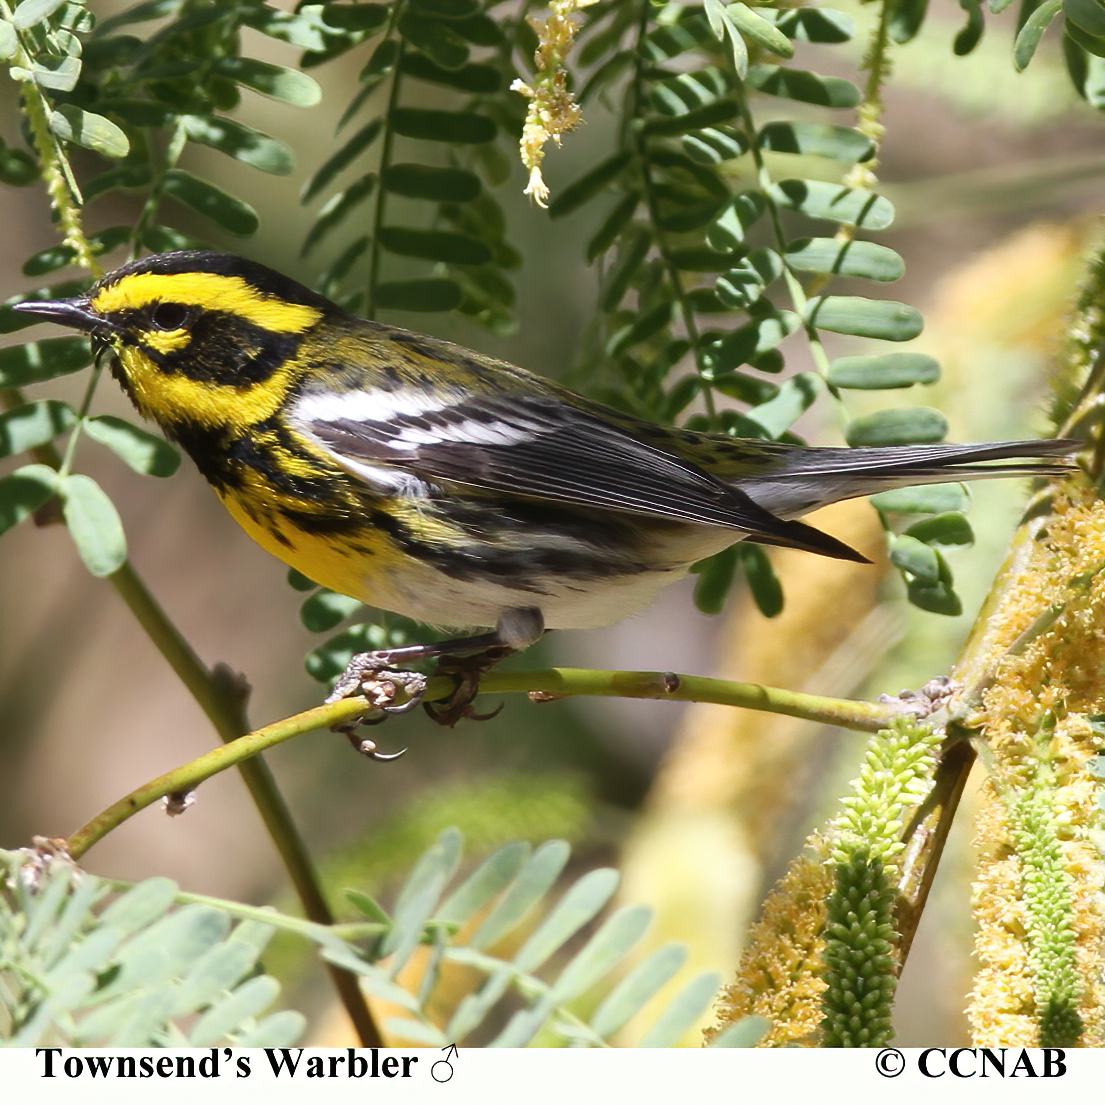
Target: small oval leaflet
[
  {"x": 146, "y": 453},
  {"x": 94, "y": 525},
  {"x": 235, "y": 216},
  {"x": 326, "y": 609},
  {"x": 42, "y": 360},
  {"x": 821, "y": 200},
  {"x": 950, "y": 529},
  {"x": 817, "y": 139},
  {"x": 932, "y": 498},
  {"x": 865, "y": 318},
  {"x": 434, "y": 245},
  {"x": 23, "y": 491},
  {"x": 885, "y": 370},
  {"x": 845, "y": 258},
  {"x": 431, "y": 294},
  {"x": 898, "y": 426},
  {"x": 916, "y": 557},
  {"x": 33, "y": 424}
]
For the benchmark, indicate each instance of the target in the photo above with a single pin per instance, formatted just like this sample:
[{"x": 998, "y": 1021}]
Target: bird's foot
[
  {"x": 466, "y": 671},
  {"x": 386, "y": 690},
  {"x": 925, "y": 702}
]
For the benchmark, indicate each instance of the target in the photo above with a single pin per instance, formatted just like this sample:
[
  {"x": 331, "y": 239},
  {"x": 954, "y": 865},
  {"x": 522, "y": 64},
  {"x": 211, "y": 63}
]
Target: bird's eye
[{"x": 169, "y": 316}]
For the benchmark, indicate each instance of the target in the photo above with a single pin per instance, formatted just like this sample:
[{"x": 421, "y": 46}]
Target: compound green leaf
[
  {"x": 32, "y": 12},
  {"x": 612, "y": 225},
  {"x": 604, "y": 951},
  {"x": 1090, "y": 43},
  {"x": 937, "y": 598},
  {"x": 356, "y": 17},
  {"x": 531, "y": 884},
  {"x": 56, "y": 257},
  {"x": 338, "y": 208},
  {"x": 634, "y": 991},
  {"x": 709, "y": 115},
  {"x": 761, "y": 334},
  {"x": 747, "y": 1032},
  {"x": 419, "y": 897},
  {"x": 579, "y": 905},
  {"x": 767, "y": 591},
  {"x": 906, "y": 19},
  {"x": 1028, "y": 37},
  {"x": 794, "y": 397},
  {"x": 484, "y": 883}
]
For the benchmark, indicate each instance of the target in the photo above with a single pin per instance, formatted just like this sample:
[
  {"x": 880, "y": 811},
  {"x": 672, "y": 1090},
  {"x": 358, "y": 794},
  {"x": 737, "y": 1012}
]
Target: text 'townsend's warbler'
[{"x": 445, "y": 485}]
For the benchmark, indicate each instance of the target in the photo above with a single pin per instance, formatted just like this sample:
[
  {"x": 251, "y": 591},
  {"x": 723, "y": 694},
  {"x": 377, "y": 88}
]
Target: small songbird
[{"x": 448, "y": 486}]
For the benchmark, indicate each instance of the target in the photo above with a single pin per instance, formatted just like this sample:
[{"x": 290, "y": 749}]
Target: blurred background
[{"x": 997, "y": 178}]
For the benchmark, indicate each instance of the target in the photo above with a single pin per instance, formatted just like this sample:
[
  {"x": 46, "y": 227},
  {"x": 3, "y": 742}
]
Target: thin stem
[
  {"x": 541, "y": 686},
  {"x": 381, "y": 191},
  {"x": 686, "y": 311}
]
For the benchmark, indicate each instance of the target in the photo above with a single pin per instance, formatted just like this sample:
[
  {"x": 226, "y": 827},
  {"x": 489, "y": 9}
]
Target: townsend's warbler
[{"x": 445, "y": 485}]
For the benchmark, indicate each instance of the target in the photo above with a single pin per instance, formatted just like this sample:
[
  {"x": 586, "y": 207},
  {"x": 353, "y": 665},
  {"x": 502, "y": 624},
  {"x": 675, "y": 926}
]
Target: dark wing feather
[{"x": 541, "y": 448}]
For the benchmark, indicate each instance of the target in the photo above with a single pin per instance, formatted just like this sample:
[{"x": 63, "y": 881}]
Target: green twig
[{"x": 542, "y": 686}]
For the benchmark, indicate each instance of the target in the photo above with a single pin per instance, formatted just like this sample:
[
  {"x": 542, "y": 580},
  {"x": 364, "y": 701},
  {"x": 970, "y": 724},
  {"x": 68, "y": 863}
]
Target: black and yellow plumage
[{"x": 457, "y": 489}]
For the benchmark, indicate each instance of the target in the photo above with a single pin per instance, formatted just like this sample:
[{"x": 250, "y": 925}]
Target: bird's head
[{"x": 210, "y": 337}]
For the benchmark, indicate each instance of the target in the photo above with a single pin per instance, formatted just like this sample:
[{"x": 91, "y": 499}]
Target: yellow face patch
[
  {"x": 210, "y": 291},
  {"x": 166, "y": 341},
  {"x": 166, "y": 398}
]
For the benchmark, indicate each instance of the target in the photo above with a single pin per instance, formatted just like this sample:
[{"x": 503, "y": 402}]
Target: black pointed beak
[{"x": 76, "y": 313}]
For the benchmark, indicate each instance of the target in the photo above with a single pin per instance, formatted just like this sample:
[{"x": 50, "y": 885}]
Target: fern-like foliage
[
  {"x": 133, "y": 974},
  {"x": 139, "y": 972}
]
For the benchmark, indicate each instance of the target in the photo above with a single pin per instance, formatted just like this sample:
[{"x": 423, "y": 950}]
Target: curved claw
[
  {"x": 367, "y": 747},
  {"x": 385, "y": 757}
]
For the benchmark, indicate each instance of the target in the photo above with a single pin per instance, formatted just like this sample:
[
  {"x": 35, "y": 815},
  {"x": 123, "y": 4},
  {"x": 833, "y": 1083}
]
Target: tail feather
[{"x": 801, "y": 480}]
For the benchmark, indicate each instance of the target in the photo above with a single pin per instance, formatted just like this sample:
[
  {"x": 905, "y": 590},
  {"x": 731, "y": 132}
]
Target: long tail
[{"x": 804, "y": 479}]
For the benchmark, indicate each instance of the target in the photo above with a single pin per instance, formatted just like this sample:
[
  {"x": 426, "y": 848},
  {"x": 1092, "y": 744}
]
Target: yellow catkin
[
  {"x": 777, "y": 977},
  {"x": 552, "y": 109},
  {"x": 1035, "y": 721}
]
